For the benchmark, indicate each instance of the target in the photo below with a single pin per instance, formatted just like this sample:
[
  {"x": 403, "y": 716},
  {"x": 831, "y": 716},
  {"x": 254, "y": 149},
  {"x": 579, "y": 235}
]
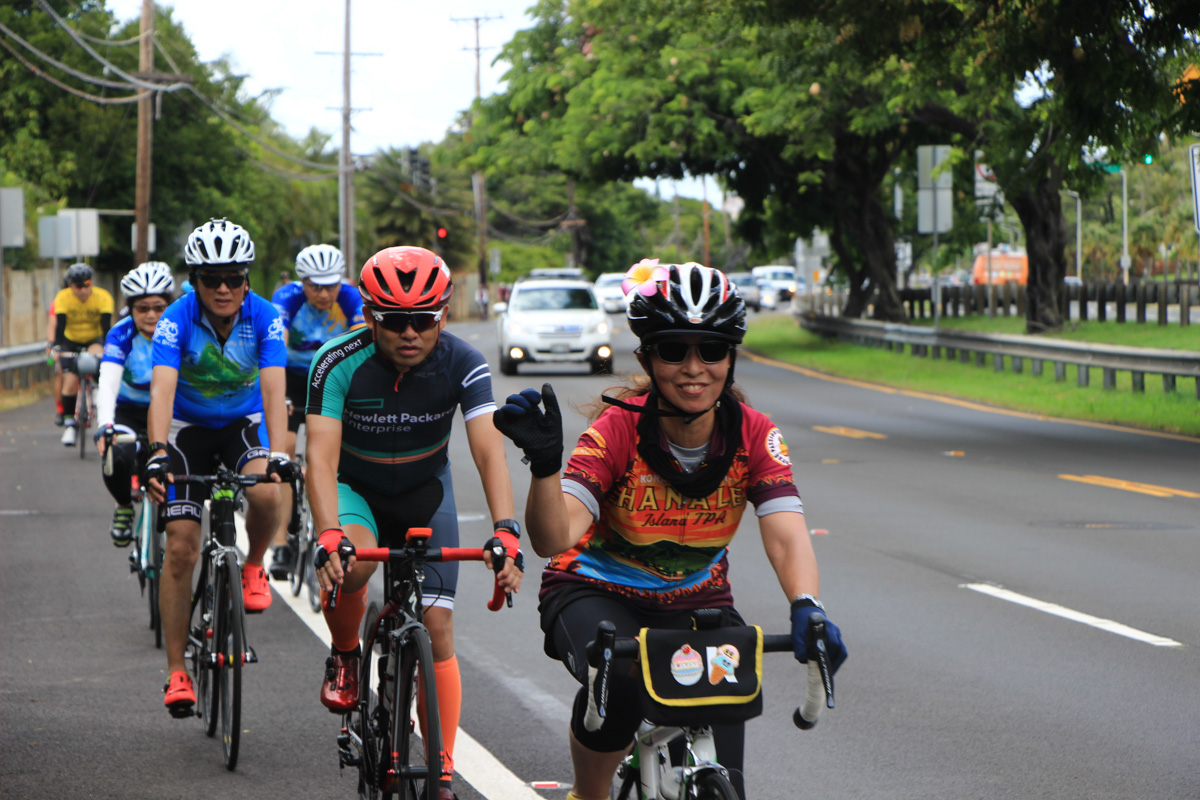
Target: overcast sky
[{"x": 422, "y": 77}]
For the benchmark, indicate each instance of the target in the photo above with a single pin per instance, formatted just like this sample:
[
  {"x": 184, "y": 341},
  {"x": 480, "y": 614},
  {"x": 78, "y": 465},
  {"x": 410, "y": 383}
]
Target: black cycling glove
[
  {"x": 157, "y": 468},
  {"x": 538, "y": 433}
]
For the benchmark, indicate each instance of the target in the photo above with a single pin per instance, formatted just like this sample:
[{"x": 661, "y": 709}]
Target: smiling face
[
  {"x": 692, "y": 385},
  {"x": 145, "y": 311},
  {"x": 219, "y": 299},
  {"x": 320, "y": 296}
]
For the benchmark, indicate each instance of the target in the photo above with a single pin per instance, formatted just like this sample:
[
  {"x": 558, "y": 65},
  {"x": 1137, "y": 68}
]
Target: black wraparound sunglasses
[
  {"x": 213, "y": 280},
  {"x": 400, "y": 321},
  {"x": 677, "y": 352}
]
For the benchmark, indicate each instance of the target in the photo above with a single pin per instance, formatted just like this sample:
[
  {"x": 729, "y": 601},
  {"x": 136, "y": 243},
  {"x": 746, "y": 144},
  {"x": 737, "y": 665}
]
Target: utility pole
[
  {"x": 145, "y": 131},
  {"x": 346, "y": 157},
  {"x": 707, "y": 249},
  {"x": 478, "y": 182}
]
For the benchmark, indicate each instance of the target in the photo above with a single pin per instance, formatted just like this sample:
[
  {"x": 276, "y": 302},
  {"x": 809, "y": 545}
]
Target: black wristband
[
  {"x": 156, "y": 446},
  {"x": 807, "y": 601},
  {"x": 510, "y": 525}
]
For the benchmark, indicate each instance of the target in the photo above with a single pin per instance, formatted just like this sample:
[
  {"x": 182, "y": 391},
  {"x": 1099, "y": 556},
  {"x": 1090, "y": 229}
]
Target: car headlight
[
  {"x": 602, "y": 327},
  {"x": 515, "y": 328}
]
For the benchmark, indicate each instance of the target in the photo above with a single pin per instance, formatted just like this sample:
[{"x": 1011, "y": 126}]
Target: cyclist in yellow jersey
[{"x": 83, "y": 315}]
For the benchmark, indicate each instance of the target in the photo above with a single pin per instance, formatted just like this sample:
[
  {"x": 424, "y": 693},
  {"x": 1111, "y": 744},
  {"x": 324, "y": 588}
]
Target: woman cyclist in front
[
  {"x": 123, "y": 392},
  {"x": 637, "y": 526}
]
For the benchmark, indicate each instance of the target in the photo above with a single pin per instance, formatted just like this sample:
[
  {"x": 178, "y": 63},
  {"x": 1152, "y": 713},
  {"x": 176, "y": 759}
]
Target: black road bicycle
[
  {"x": 217, "y": 647},
  {"x": 378, "y": 736}
]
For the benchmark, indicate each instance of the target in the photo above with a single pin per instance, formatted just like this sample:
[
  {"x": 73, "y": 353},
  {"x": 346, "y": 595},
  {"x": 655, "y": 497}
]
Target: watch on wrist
[
  {"x": 509, "y": 525},
  {"x": 156, "y": 446},
  {"x": 807, "y": 600}
]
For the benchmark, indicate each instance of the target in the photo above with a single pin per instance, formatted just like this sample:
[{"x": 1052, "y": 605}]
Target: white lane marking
[
  {"x": 1067, "y": 613},
  {"x": 472, "y": 760}
]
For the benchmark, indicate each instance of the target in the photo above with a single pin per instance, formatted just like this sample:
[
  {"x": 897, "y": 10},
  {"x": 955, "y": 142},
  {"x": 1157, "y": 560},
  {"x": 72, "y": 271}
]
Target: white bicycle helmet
[
  {"x": 219, "y": 243},
  {"x": 152, "y": 277},
  {"x": 320, "y": 263}
]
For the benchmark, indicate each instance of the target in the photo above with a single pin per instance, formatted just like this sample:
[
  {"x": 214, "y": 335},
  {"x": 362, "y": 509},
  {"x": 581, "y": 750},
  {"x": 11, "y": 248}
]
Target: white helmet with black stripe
[
  {"x": 322, "y": 264},
  {"x": 152, "y": 277},
  {"x": 219, "y": 243}
]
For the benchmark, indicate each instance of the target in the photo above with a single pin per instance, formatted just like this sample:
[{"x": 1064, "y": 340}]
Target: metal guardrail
[
  {"x": 23, "y": 364},
  {"x": 967, "y": 347}
]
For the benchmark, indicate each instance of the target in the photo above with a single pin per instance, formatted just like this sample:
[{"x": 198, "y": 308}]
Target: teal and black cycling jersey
[
  {"x": 308, "y": 328},
  {"x": 395, "y": 428},
  {"x": 218, "y": 382}
]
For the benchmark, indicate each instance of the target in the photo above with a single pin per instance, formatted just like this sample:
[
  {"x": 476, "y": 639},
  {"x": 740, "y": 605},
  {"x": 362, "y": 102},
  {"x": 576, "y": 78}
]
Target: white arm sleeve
[{"x": 106, "y": 392}]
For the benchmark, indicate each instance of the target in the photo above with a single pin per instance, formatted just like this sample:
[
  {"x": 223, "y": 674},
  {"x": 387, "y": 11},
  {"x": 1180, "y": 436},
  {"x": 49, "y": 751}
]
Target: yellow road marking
[
  {"x": 852, "y": 433},
  {"x": 1129, "y": 486},
  {"x": 954, "y": 401}
]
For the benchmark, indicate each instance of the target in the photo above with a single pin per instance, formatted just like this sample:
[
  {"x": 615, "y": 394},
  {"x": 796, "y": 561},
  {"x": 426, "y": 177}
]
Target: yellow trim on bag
[{"x": 711, "y": 700}]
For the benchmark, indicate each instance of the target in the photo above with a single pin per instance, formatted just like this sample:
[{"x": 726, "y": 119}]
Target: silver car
[
  {"x": 747, "y": 288},
  {"x": 553, "y": 321},
  {"x": 608, "y": 292}
]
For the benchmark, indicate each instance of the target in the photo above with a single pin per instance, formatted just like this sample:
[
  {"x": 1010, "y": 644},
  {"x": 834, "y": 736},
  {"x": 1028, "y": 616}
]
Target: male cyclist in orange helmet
[{"x": 381, "y": 403}]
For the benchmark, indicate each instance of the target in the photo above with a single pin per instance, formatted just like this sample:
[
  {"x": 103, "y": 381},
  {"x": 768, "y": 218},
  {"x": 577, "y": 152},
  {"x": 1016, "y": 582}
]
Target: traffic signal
[
  {"x": 442, "y": 233},
  {"x": 1148, "y": 159}
]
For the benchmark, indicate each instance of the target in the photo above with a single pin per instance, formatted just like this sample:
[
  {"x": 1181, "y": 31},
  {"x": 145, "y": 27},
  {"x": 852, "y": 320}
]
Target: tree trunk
[
  {"x": 1040, "y": 210},
  {"x": 863, "y": 228}
]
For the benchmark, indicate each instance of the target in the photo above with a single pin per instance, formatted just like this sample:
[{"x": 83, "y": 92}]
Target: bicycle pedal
[{"x": 182, "y": 712}]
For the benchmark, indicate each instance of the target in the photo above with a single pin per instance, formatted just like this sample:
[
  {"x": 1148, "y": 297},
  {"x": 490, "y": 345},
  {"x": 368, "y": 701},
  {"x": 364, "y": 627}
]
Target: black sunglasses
[
  {"x": 677, "y": 352},
  {"x": 213, "y": 280},
  {"x": 400, "y": 321}
]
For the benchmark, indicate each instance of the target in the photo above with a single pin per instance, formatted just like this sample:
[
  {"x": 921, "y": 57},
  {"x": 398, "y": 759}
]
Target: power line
[
  {"x": 133, "y": 98},
  {"x": 83, "y": 76}
]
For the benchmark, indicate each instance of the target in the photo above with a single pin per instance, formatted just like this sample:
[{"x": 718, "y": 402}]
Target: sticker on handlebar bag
[{"x": 701, "y": 677}]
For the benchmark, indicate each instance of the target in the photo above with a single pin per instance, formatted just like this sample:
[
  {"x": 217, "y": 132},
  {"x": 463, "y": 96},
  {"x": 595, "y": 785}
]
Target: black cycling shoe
[
  {"x": 122, "y": 526},
  {"x": 281, "y": 562}
]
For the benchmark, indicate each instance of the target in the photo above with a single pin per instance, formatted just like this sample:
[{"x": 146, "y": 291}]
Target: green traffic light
[{"x": 1148, "y": 159}]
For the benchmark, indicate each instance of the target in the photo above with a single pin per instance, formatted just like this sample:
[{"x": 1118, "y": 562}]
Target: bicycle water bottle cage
[{"x": 421, "y": 535}]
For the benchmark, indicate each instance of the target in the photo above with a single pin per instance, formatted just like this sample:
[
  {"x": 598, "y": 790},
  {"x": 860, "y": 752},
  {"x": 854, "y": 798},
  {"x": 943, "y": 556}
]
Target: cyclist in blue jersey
[
  {"x": 217, "y": 393},
  {"x": 123, "y": 390},
  {"x": 381, "y": 403},
  {"x": 315, "y": 308}
]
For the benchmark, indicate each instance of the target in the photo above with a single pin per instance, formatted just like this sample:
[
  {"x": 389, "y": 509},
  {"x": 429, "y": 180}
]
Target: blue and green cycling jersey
[
  {"x": 218, "y": 383},
  {"x": 309, "y": 328},
  {"x": 127, "y": 348}
]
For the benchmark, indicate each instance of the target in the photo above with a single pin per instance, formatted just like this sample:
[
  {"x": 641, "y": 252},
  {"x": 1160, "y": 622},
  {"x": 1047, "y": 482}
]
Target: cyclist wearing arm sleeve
[
  {"x": 83, "y": 314},
  {"x": 316, "y": 308},
  {"x": 637, "y": 527},
  {"x": 123, "y": 389},
  {"x": 381, "y": 403},
  {"x": 217, "y": 393}
]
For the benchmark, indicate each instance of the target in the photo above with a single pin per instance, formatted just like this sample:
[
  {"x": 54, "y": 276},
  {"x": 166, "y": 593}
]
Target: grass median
[{"x": 779, "y": 336}]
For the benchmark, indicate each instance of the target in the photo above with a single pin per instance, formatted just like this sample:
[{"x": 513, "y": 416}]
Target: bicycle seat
[{"x": 707, "y": 619}]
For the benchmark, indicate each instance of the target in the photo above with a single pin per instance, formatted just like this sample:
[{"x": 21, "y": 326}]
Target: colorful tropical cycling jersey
[
  {"x": 395, "y": 427},
  {"x": 218, "y": 383},
  {"x": 133, "y": 352},
  {"x": 307, "y": 327},
  {"x": 83, "y": 319},
  {"x": 650, "y": 543}
]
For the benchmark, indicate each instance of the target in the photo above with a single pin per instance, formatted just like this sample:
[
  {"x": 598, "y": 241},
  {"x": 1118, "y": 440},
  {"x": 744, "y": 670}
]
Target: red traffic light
[{"x": 441, "y": 232}]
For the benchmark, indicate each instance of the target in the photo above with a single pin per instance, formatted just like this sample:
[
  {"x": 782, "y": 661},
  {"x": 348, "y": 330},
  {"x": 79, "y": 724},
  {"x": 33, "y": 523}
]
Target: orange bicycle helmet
[{"x": 405, "y": 279}]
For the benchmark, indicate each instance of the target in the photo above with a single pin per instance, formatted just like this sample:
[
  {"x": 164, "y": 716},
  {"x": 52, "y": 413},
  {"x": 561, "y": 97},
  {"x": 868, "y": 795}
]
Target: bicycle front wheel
[
  {"x": 154, "y": 567},
  {"x": 82, "y": 415},
  {"x": 310, "y": 575},
  {"x": 711, "y": 785},
  {"x": 301, "y": 565},
  {"x": 230, "y": 642},
  {"x": 415, "y": 675}
]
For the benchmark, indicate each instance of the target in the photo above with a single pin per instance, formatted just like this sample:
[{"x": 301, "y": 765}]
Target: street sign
[
  {"x": 12, "y": 217},
  {"x": 935, "y": 204},
  {"x": 1194, "y": 159}
]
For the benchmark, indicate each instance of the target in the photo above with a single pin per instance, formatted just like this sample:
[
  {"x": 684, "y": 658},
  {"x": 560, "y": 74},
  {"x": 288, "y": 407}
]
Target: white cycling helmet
[
  {"x": 320, "y": 263},
  {"x": 219, "y": 243},
  {"x": 152, "y": 277}
]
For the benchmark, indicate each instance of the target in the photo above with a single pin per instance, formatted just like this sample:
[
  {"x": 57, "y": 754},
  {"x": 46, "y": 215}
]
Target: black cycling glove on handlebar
[
  {"x": 157, "y": 468},
  {"x": 802, "y": 611},
  {"x": 538, "y": 433},
  {"x": 278, "y": 464}
]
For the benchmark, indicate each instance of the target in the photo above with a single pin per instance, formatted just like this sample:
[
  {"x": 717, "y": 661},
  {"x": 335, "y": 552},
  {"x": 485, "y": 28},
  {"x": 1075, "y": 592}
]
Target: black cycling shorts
[{"x": 195, "y": 450}]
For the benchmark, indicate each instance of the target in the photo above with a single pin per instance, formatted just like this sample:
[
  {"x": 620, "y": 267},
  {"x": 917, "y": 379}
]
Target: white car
[
  {"x": 553, "y": 321},
  {"x": 608, "y": 291},
  {"x": 747, "y": 289},
  {"x": 777, "y": 284}
]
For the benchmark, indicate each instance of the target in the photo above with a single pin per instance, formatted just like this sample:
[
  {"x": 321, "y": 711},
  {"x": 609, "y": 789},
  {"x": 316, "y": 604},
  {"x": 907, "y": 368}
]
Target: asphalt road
[{"x": 1070, "y": 670}]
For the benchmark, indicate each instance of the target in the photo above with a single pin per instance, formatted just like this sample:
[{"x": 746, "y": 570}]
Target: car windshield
[
  {"x": 776, "y": 275},
  {"x": 553, "y": 299},
  {"x": 610, "y": 280}
]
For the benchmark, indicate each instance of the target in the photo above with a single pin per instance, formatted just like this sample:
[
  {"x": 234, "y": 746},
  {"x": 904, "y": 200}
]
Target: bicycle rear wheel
[
  {"x": 415, "y": 674},
  {"x": 154, "y": 568},
  {"x": 230, "y": 641}
]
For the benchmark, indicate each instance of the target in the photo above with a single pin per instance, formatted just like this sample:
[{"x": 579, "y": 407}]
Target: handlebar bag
[{"x": 701, "y": 677}]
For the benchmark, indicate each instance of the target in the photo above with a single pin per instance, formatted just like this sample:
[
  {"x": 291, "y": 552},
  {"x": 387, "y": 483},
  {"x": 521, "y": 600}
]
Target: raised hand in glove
[{"x": 538, "y": 433}]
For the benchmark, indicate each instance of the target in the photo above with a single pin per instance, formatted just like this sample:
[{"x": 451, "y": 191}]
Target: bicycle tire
[
  {"x": 230, "y": 637},
  {"x": 310, "y": 573},
  {"x": 625, "y": 788},
  {"x": 300, "y": 565},
  {"x": 711, "y": 785},
  {"x": 372, "y": 728},
  {"x": 81, "y": 417},
  {"x": 415, "y": 673},
  {"x": 201, "y": 649},
  {"x": 150, "y": 510}
]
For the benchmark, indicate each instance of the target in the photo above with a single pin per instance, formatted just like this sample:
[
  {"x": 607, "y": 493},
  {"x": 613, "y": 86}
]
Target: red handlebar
[{"x": 436, "y": 554}]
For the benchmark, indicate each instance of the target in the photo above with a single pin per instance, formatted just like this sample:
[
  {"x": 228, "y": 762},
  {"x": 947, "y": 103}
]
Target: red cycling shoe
[
  {"x": 256, "y": 592},
  {"x": 339, "y": 690},
  {"x": 180, "y": 694}
]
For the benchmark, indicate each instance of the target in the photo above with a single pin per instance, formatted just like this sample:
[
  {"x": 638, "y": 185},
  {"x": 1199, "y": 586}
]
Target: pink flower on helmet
[{"x": 644, "y": 276}]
